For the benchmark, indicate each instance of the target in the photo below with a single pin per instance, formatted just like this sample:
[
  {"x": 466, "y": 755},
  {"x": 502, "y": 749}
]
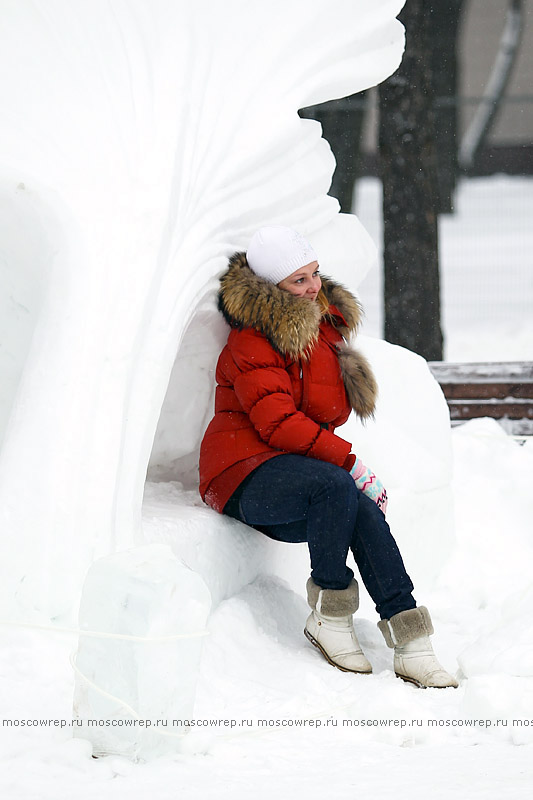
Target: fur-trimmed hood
[{"x": 291, "y": 324}]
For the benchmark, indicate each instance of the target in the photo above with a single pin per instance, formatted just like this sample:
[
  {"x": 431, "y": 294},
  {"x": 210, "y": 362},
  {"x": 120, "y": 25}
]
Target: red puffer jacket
[{"x": 285, "y": 381}]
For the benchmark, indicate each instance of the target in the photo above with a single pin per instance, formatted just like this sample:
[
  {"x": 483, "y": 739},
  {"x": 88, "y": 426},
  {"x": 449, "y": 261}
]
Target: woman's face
[{"x": 304, "y": 282}]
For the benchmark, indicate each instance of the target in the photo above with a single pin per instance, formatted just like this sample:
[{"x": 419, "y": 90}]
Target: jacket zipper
[{"x": 305, "y": 388}]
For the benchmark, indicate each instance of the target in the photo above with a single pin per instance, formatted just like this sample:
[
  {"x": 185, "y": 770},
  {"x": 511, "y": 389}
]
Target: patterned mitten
[{"x": 366, "y": 481}]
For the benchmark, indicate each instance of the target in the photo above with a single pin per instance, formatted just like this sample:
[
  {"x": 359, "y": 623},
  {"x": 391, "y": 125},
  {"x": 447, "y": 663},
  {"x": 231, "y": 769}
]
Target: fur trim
[
  {"x": 359, "y": 381},
  {"x": 406, "y": 626},
  {"x": 290, "y": 323},
  {"x": 247, "y": 301},
  {"x": 333, "y": 602},
  {"x": 349, "y": 306}
]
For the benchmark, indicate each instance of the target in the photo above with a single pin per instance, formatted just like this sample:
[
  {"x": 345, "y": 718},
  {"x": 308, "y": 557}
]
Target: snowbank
[{"x": 257, "y": 665}]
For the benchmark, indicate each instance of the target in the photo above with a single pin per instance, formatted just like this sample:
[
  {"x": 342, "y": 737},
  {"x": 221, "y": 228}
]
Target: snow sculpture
[
  {"x": 136, "y": 672},
  {"x": 145, "y": 142}
]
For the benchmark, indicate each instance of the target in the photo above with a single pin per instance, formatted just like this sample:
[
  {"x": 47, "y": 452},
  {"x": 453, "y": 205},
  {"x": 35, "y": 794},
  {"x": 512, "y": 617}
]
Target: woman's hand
[{"x": 366, "y": 482}]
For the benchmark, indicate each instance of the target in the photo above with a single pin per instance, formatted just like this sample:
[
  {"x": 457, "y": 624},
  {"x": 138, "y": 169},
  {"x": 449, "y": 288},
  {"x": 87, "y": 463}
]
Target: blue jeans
[{"x": 294, "y": 498}]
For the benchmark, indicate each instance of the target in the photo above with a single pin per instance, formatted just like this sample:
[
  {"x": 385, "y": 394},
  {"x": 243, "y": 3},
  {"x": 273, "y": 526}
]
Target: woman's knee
[
  {"x": 289, "y": 479},
  {"x": 337, "y": 483}
]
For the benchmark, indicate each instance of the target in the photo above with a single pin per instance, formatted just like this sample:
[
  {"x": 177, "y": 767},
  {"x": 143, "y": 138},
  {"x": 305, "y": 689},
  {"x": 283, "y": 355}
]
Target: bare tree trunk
[
  {"x": 407, "y": 159},
  {"x": 443, "y": 27}
]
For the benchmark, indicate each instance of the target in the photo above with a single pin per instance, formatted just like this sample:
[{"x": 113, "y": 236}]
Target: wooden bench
[{"x": 501, "y": 390}]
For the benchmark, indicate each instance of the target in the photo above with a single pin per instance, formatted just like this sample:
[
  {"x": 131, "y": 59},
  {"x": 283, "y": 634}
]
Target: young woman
[{"x": 270, "y": 457}]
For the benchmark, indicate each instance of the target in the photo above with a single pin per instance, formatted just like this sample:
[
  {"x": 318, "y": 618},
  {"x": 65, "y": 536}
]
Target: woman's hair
[{"x": 323, "y": 302}]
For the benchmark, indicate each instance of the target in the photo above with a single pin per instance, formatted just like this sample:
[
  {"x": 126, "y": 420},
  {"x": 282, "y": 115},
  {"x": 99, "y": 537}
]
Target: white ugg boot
[
  {"x": 330, "y": 626},
  {"x": 414, "y": 660}
]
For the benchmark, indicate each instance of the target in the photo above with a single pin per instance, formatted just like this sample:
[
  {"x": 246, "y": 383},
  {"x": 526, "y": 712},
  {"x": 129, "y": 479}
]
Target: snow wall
[{"x": 142, "y": 143}]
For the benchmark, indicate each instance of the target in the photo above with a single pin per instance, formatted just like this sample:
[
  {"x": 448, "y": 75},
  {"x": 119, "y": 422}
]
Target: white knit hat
[{"x": 275, "y": 252}]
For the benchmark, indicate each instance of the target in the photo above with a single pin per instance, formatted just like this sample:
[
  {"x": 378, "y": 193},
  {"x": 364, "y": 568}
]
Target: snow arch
[
  {"x": 188, "y": 402},
  {"x": 162, "y": 133}
]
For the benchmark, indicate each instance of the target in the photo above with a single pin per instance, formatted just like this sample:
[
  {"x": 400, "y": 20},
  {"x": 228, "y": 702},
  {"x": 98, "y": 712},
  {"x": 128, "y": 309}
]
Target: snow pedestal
[{"x": 136, "y": 668}]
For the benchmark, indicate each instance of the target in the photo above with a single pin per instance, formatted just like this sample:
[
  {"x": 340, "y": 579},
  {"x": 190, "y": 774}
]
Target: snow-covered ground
[{"x": 274, "y": 717}]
